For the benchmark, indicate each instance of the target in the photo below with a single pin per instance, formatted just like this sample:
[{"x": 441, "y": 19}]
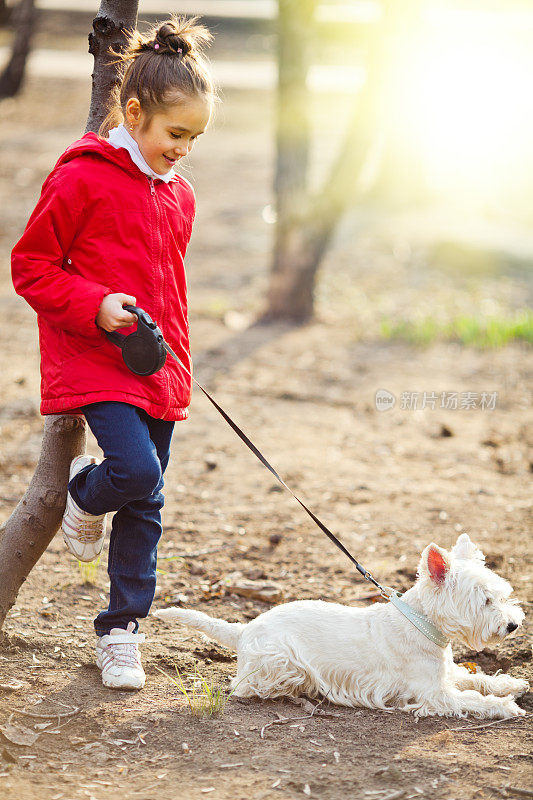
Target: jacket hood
[{"x": 93, "y": 144}]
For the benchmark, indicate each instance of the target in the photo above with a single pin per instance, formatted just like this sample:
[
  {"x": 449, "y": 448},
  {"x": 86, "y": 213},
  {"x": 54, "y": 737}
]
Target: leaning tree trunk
[
  {"x": 305, "y": 224},
  {"x": 31, "y": 527},
  {"x": 12, "y": 77},
  {"x": 114, "y": 18},
  {"x": 34, "y": 522}
]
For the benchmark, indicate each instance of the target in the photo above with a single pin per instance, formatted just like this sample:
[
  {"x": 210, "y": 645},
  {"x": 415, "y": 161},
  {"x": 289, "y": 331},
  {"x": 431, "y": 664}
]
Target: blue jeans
[{"x": 128, "y": 481}]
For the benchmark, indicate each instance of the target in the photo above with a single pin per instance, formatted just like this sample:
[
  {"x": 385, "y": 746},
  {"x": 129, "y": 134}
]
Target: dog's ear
[
  {"x": 434, "y": 563},
  {"x": 465, "y": 548}
]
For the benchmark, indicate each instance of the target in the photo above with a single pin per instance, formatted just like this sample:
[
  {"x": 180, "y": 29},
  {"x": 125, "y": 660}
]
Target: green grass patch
[
  {"x": 204, "y": 699},
  {"x": 482, "y": 332},
  {"x": 89, "y": 571}
]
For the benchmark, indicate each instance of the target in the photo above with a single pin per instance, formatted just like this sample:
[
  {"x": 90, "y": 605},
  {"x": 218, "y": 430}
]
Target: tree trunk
[
  {"x": 34, "y": 522},
  {"x": 305, "y": 225},
  {"x": 295, "y": 34},
  {"x": 292, "y": 112},
  {"x": 13, "y": 75},
  {"x": 5, "y": 13},
  {"x": 113, "y": 19}
]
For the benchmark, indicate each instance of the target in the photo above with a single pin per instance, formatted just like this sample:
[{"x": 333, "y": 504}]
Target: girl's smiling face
[{"x": 168, "y": 135}]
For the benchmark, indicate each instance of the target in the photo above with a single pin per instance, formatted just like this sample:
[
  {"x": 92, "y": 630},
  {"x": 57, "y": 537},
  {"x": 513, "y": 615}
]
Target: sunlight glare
[{"x": 463, "y": 97}]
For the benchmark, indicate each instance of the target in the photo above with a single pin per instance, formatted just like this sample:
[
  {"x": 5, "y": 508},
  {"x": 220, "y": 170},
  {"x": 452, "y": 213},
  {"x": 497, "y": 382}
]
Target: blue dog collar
[{"x": 420, "y": 621}]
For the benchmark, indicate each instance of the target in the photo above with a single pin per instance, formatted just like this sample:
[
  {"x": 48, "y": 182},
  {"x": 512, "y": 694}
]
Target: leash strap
[
  {"x": 420, "y": 621},
  {"x": 271, "y": 469}
]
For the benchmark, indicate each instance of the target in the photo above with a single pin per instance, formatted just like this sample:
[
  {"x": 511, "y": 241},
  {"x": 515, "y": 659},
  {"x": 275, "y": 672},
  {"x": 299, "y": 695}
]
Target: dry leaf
[
  {"x": 211, "y": 592},
  {"x": 267, "y": 592},
  {"x": 18, "y": 734},
  {"x": 307, "y": 706},
  {"x": 11, "y": 687},
  {"x": 9, "y": 757},
  {"x": 471, "y": 666}
]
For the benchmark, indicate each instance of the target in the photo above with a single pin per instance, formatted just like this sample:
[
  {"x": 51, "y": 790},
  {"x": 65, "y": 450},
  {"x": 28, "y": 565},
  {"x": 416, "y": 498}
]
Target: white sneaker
[
  {"x": 83, "y": 533},
  {"x": 118, "y": 656}
]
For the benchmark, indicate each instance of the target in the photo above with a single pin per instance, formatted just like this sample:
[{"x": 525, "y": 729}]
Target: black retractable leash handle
[{"x": 145, "y": 351}]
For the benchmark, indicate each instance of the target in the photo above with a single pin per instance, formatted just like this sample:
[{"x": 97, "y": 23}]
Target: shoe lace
[
  {"x": 125, "y": 654},
  {"x": 89, "y": 531}
]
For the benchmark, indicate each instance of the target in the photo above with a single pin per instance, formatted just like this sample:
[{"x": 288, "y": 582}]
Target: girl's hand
[{"x": 111, "y": 315}]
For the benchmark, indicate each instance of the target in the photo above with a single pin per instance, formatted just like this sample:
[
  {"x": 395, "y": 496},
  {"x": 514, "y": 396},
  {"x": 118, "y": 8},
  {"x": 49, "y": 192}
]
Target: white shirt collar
[{"x": 119, "y": 137}]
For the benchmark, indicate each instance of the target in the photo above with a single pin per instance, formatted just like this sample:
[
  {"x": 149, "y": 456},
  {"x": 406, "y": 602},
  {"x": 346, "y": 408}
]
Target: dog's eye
[{"x": 488, "y": 601}]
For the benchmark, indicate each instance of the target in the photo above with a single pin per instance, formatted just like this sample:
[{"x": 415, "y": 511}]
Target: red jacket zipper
[{"x": 161, "y": 320}]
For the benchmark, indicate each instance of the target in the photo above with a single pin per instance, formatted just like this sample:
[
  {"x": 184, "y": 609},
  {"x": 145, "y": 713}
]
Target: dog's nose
[{"x": 512, "y": 627}]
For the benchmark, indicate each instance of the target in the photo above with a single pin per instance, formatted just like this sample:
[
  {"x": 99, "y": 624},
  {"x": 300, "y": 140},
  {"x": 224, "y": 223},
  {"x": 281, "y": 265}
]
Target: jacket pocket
[{"x": 72, "y": 345}]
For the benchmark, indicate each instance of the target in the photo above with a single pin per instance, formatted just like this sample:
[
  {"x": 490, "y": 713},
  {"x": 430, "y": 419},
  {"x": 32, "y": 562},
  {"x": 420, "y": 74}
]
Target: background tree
[
  {"x": 306, "y": 222},
  {"x": 33, "y": 524},
  {"x": 23, "y": 18},
  {"x": 5, "y": 13}
]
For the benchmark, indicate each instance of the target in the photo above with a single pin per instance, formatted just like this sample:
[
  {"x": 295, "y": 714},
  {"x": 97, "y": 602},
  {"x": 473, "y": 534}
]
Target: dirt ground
[{"x": 387, "y": 482}]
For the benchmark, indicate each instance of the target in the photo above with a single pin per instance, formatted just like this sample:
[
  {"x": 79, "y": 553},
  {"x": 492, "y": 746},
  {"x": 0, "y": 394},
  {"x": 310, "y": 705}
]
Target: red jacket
[{"x": 102, "y": 226}]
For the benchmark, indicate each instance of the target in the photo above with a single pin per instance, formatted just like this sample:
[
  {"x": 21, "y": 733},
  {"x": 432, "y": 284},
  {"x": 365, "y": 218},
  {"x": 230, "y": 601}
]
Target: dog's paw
[
  {"x": 509, "y": 708},
  {"x": 519, "y": 687},
  {"x": 505, "y": 685}
]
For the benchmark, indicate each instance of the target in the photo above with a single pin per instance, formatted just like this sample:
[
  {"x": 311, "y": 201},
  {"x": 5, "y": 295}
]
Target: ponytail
[{"x": 164, "y": 66}]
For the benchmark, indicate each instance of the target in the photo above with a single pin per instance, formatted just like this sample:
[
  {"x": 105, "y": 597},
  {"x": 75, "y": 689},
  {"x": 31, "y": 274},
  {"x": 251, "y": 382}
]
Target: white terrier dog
[{"x": 374, "y": 656}]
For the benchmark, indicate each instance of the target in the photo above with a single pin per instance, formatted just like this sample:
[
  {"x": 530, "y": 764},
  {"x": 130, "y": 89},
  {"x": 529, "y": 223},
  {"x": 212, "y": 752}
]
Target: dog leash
[
  {"x": 420, "y": 621},
  {"x": 144, "y": 352}
]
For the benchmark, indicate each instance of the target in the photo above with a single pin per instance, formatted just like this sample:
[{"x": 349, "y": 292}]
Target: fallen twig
[
  {"x": 205, "y": 551},
  {"x": 146, "y": 788},
  {"x": 308, "y": 706},
  {"x": 46, "y": 716},
  {"x": 283, "y": 720},
  {"x": 518, "y": 790},
  {"x": 490, "y": 724}
]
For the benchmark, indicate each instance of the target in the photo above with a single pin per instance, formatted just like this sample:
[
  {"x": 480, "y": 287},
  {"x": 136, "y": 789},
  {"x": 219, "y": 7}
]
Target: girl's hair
[{"x": 164, "y": 66}]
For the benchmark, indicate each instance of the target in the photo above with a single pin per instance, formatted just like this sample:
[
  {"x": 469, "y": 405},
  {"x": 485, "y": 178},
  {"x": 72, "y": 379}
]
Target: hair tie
[{"x": 156, "y": 47}]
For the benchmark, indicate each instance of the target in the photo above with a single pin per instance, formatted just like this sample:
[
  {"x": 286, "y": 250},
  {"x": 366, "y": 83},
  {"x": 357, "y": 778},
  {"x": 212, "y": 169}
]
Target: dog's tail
[{"x": 226, "y": 633}]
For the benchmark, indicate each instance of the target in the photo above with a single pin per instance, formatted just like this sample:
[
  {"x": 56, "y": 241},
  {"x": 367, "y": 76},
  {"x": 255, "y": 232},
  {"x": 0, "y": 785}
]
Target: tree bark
[
  {"x": 33, "y": 524},
  {"x": 12, "y": 77},
  {"x": 292, "y": 111},
  {"x": 306, "y": 224},
  {"x": 114, "y": 18},
  {"x": 5, "y": 13},
  {"x": 295, "y": 35}
]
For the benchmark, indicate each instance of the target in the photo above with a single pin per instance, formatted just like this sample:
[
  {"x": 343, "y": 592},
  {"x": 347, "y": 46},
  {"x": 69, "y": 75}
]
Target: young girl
[{"x": 110, "y": 229}]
